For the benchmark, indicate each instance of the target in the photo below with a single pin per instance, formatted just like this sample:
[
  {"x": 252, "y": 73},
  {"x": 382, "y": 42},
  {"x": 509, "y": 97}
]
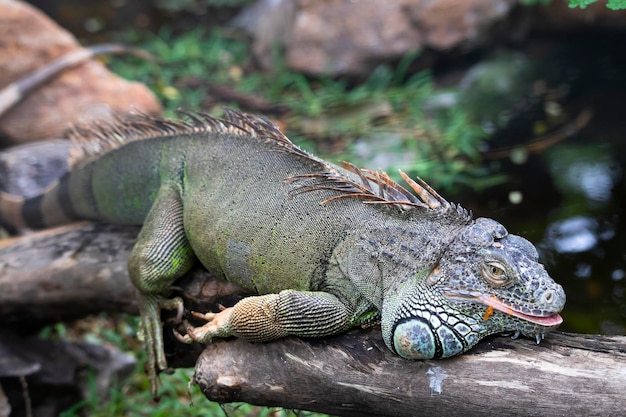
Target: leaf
[
  {"x": 612, "y": 4},
  {"x": 580, "y": 3},
  {"x": 616, "y": 4}
]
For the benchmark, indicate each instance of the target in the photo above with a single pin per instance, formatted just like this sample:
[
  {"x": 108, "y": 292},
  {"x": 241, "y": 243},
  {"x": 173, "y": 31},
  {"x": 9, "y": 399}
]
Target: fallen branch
[
  {"x": 356, "y": 375},
  {"x": 65, "y": 273},
  {"x": 76, "y": 270}
]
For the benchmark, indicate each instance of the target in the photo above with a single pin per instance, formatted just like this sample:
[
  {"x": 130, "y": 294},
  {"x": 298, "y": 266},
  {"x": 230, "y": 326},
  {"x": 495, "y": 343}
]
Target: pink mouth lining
[{"x": 547, "y": 321}]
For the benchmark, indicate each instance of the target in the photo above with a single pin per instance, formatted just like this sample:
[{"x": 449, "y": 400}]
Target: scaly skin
[{"x": 325, "y": 247}]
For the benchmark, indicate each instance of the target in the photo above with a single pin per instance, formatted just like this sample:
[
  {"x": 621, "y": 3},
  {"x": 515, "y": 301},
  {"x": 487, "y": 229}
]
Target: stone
[
  {"x": 349, "y": 37},
  {"x": 30, "y": 40}
]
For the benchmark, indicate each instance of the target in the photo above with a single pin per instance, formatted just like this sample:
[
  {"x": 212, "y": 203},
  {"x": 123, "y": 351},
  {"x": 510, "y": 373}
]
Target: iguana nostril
[{"x": 548, "y": 297}]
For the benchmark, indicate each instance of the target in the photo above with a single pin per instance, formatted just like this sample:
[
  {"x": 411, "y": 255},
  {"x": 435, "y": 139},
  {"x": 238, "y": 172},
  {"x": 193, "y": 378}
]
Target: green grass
[{"x": 611, "y": 4}]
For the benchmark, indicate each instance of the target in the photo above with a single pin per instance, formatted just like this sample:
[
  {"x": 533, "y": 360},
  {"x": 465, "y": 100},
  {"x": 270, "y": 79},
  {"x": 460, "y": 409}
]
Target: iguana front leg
[
  {"x": 272, "y": 316},
  {"x": 161, "y": 255}
]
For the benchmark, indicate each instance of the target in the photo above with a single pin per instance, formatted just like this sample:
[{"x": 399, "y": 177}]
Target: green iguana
[{"x": 325, "y": 247}]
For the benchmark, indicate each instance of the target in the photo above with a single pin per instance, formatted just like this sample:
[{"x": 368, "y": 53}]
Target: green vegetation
[
  {"x": 196, "y": 6},
  {"x": 388, "y": 121},
  {"x": 611, "y": 4}
]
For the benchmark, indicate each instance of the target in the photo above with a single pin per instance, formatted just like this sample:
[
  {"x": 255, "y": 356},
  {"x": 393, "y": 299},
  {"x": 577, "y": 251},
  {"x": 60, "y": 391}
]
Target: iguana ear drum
[{"x": 416, "y": 338}]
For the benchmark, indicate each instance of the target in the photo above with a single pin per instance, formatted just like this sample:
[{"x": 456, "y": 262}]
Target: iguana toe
[
  {"x": 150, "y": 328},
  {"x": 175, "y": 303},
  {"x": 216, "y": 326},
  {"x": 182, "y": 338}
]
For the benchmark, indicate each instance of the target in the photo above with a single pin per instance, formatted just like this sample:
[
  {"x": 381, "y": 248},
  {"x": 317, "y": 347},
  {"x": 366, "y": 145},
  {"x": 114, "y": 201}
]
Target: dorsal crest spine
[
  {"x": 93, "y": 139},
  {"x": 375, "y": 187}
]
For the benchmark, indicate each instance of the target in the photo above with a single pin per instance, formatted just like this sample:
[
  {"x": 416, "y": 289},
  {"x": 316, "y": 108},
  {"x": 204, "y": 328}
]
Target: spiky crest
[
  {"x": 96, "y": 138},
  {"x": 376, "y": 188}
]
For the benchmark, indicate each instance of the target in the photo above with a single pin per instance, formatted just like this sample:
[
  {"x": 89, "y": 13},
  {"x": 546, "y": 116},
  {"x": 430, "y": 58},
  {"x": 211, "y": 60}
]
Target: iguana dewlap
[{"x": 325, "y": 247}]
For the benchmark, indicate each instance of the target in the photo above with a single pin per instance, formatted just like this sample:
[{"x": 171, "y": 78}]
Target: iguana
[{"x": 326, "y": 247}]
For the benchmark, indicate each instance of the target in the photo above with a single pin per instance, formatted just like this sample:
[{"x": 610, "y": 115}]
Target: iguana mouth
[
  {"x": 551, "y": 320},
  {"x": 547, "y": 321}
]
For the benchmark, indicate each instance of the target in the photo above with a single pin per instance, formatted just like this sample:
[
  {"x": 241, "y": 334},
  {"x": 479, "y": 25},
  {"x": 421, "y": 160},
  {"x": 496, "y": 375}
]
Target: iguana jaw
[{"x": 552, "y": 320}]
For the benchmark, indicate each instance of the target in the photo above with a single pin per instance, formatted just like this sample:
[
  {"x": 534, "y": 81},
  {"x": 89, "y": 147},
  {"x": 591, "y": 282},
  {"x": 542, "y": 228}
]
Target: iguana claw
[
  {"x": 182, "y": 338},
  {"x": 217, "y": 325}
]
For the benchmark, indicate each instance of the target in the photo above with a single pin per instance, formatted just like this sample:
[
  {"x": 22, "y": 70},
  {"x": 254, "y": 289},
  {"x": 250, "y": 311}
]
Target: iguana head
[{"x": 486, "y": 282}]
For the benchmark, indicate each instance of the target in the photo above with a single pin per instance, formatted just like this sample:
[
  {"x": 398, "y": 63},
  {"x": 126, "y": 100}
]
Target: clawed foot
[
  {"x": 151, "y": 332},
  {"x": 218, "y": 325}
]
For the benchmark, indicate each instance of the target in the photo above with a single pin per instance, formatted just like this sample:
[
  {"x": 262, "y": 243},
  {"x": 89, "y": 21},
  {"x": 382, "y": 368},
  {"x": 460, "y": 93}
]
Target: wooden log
[
  {"x": 65, "y": 273},
  {"x": 72, "y": 271},
  {"x": 81, "y": 269},
  {"x": 356, "y": 375}
]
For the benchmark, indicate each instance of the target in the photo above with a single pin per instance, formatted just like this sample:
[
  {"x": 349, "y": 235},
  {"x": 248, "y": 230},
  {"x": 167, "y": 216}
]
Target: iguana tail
[{"x": 50, "y": 208}]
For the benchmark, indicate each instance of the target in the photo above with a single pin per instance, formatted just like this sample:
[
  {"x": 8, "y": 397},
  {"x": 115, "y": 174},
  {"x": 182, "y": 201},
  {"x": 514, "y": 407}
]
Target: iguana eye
[{"x": 495, "y": 274}]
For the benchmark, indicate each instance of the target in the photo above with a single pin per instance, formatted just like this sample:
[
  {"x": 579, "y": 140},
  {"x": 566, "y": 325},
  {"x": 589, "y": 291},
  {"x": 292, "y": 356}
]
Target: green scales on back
[{"x": 325, "y": 247}]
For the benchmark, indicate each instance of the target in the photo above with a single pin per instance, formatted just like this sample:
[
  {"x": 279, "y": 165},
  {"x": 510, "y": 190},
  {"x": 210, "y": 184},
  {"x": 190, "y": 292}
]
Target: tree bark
[
  {"x": 356, "y": 375},
  {"x": 73, "y": 271},
  {"x": 65, "y": 273}
]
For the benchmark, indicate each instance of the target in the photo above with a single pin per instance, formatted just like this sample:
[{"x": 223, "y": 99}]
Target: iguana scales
[{"x": 325, "y": 247}]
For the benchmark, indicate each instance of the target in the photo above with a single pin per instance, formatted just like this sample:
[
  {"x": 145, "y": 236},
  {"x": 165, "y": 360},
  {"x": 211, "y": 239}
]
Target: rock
[
  {"x": 269, "y": 23},
  {"x": 26, "y": 170},
  {"x": 350, "y": 37},
  {"x": 88, "y": 91},
  {"x": 347, "y": 37}
]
